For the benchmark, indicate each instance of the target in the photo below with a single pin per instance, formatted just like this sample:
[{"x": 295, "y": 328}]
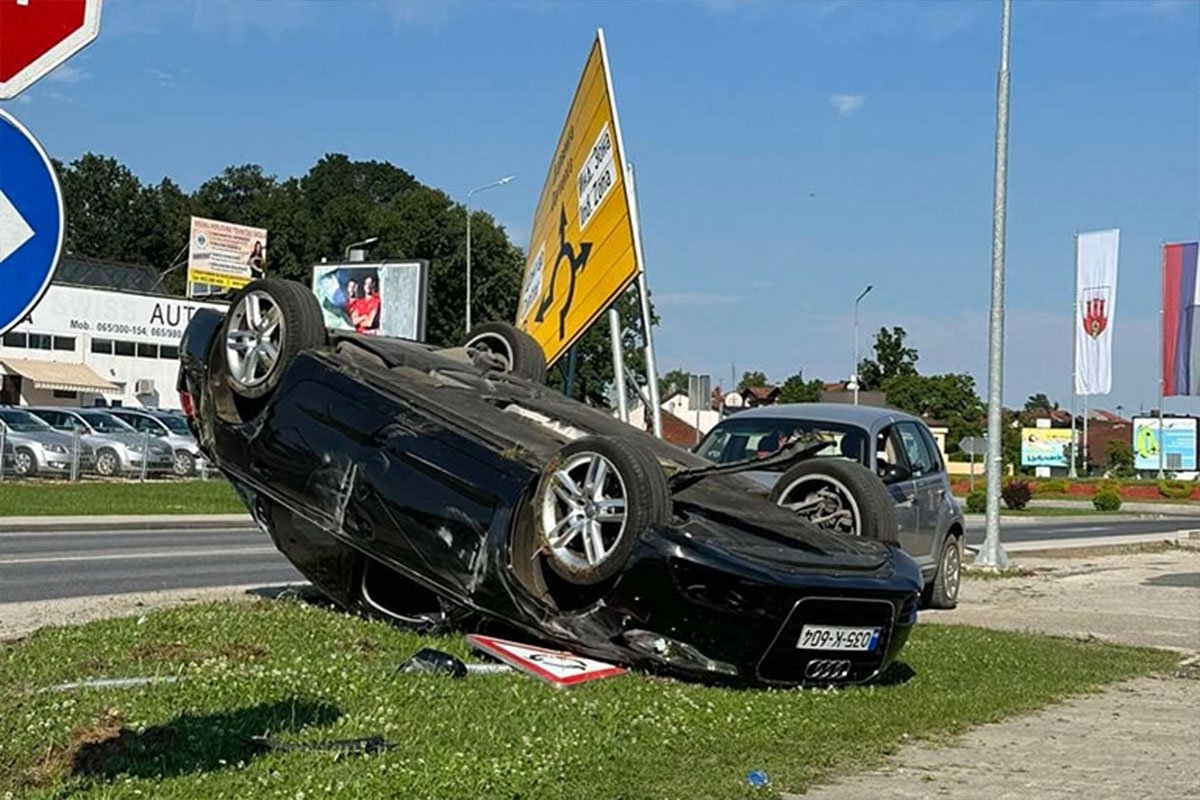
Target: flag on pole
[
  {"x": 1181, "y": 295},
  {"x": 1095, "y": 299}
]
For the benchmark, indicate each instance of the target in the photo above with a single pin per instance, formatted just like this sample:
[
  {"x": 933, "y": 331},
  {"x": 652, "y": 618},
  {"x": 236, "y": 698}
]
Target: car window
[
  {"x": 104, "y": 422},
  {"x": 920, "y": 461},
  {"x": 22, "y": 421},
  {"x": 934, "y": 453},
  {"x": 888, "y": 455},
  {"x": 758, "y": 437},
  {"x": 56, "y": 419},
  {"x": 176, "y": 424},
  {"x": 142, "y": 423}
]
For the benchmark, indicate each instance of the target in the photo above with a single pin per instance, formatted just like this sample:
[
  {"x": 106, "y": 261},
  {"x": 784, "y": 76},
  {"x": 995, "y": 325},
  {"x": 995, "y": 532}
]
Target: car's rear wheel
[
  {"x": 942, "y": 591},
  {"x": 512, "y": 349},
  {"x": 25, "y": 464},
  {"x": 185, "y": 464},
  {"x": 270, "y": 322},
  {"x": 595, "y": 499},
  {"x": 839, "y": 496}
]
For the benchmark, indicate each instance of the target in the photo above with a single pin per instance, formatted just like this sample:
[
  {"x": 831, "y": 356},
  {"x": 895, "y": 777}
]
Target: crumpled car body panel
[{"x": 386, "y": 456}]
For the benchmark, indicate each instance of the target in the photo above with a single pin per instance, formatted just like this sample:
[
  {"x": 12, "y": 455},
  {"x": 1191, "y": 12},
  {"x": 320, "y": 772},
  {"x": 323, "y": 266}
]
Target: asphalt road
[
  {"x": 46, "y": 565},
  {"x": 37, "y": 565}
]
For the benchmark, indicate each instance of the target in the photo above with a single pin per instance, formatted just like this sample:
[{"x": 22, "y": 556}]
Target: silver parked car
[
  {"x": 897, "y": 447},
  {"x": 119, "y": 448},
  {"x": 169, "y": 428},
  {"x": 38, "y": 449}
]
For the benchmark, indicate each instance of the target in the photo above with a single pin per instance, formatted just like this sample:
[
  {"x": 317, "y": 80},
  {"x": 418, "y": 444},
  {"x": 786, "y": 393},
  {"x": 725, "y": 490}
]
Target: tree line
[{"x": 113, "y": 215}]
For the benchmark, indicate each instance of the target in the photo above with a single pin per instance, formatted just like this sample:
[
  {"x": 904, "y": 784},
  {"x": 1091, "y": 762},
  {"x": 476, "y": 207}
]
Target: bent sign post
[
  {"x": 38, "y": 35},
  {"x": 584, "y": 249}
]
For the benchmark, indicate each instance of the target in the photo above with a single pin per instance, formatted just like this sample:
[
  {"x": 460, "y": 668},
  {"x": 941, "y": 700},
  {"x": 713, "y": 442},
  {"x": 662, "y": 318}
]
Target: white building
[{"x": 100, "y": 335}]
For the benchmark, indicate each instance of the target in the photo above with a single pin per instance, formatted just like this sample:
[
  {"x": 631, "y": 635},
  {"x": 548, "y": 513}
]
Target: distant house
[{"x": 754, "y": 396}]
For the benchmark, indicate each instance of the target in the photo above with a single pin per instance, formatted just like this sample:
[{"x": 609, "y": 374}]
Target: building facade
[{"x": 97, "y": 345}]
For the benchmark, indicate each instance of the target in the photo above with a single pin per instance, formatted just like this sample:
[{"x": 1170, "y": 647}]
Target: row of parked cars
[{"x": 108, "y": 442}]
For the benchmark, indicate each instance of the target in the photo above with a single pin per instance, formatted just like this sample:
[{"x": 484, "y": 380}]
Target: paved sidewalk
[
  {"x": 1140, "y": 739},
  {"x": 125, "y": 522}
]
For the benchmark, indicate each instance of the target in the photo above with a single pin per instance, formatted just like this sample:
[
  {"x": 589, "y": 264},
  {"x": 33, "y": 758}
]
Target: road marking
[
  {"x": 28, "y": 534},
  {"x": 232, "y": 551}
]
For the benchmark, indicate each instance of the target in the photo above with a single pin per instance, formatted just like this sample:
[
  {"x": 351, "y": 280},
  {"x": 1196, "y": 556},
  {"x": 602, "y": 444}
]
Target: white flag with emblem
[{"x": 1095, "y": 304}]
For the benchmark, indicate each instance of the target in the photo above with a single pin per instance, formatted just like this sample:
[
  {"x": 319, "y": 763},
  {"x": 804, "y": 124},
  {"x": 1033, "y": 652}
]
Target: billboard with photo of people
[{"x": 384, "y": 299}]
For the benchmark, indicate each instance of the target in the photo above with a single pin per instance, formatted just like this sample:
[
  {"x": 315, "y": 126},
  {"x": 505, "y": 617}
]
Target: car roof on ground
[{"x": 861, "y": 416}]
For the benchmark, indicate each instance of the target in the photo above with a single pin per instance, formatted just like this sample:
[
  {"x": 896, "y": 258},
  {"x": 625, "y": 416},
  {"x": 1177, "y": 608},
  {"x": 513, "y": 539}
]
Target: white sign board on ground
[
  {"x": 382, "y": 299},
  {"x": 557, "y": 667}
]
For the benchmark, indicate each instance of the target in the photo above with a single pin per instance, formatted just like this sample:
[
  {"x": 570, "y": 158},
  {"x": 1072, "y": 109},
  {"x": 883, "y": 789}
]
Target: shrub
[
  {"x": 1109, "y": 485},
  {"x": 1053, "y": 486},
  {"x": 1017, "y": 494},
  {"x": 1175, "y": 490},
  {"x": 977, "y": 502},
  {"x": 1107, "y": 501}
]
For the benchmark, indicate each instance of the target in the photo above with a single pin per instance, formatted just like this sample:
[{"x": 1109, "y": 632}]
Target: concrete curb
[
  {"x": 1098, "y": 545},
  {"x": 126, "y": 523}
]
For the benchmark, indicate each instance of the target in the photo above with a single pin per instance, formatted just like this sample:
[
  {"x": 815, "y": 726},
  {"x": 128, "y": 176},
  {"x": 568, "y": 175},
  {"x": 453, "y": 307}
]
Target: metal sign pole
[
  {"x": 992, "y": 554},
  {"x": 618, "y": 355},
  {"x": 1086, "y": 469},
  {"x": 75, "y": 456},
  {"x": 644, "y": 294},
  {"x": 145, "y": 454},
  {"x": 972, "y": 470},
  {"x": 1071, "y": 471},
  {"x": 1162, "y": 375},
  {"x": 3, "y": 448}
]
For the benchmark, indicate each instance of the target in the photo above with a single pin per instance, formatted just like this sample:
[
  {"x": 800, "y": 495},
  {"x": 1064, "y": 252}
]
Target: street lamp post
[
  {"x": 491, "y": 185},
  {"x": 854, "y": 372},
  {"x": 359, "y": 245}
]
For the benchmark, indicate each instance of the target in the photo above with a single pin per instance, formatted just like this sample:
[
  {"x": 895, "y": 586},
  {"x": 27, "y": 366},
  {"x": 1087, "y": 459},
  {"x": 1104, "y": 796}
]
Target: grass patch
[
  {"x": 300, "y": 673},
  {"x": 49, "y": 498}
]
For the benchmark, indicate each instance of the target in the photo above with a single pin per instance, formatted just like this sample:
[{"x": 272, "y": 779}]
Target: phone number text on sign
[{"x": 597, "y": 177}]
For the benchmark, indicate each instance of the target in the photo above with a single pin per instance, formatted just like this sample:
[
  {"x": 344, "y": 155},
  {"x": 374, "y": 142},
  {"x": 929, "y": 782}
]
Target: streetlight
[
  {"x": 491, "y": 185},
  {"x": 854, "y": 372},
  {"x": 360, "y": 245}
]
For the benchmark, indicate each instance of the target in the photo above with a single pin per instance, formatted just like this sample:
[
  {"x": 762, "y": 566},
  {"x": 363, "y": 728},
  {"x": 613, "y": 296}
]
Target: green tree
[
  {"x": 675, "y": 380},
  {"x": 1039, "y": 402},
  {"x": 892, "y": 360},
  {"x": 752, "y": 379},
  {"x": 949, "y": 398},
  {"x": 797, "y": 390},
  {"x": 1120, "y": 458},
  {"x": 110, "y": 214}
]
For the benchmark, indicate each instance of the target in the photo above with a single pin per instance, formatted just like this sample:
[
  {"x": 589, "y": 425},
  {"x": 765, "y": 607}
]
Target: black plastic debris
[
  {"x": 436, "y": 662},
  {"x": 365, "y": 746}
]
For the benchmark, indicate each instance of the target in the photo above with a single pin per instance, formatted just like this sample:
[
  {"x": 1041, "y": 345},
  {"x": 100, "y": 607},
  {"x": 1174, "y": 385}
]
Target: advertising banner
[
  {"x": 582, "y": 252},
  {"x": 1046, "y": 447},
  {"x": 224, "y": 256},
  {"x": 1095, "y": 298},
  {"x": 384, "y": 299},
  {"x": 1177, "y": 440}
]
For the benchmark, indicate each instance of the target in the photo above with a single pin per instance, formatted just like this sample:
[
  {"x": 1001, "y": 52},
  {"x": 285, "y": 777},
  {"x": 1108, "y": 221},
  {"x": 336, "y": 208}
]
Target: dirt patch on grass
[
  {"x": 243, "y": 651},
  {"x": 176, "y": 652},
  {"x": 361, "y": 646},
  {"x": 61, "y": 758},
  {"x": 161, "y": 651}
]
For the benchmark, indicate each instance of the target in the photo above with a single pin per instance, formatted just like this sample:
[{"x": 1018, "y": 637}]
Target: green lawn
[
  {"x": 302, "y": 673},
  {"x": 47, "y": 498}
]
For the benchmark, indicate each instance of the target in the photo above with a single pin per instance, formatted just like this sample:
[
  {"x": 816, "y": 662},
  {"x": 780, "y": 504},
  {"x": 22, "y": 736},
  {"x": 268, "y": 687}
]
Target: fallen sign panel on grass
[{"x": 557, "y": 667}]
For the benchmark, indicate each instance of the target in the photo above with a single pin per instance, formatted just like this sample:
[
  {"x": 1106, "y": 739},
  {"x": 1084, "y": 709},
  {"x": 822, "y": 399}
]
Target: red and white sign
[
  {"x": 38, "y": 35},
  {"x": 557, "y": 667}
]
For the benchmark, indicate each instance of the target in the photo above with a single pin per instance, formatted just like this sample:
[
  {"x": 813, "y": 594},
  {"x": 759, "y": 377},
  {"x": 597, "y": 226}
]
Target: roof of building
[
  {"x": 761, "y": 392},
  {"x": 678, "y": 432},
  {"x": 102, "y": 274}
]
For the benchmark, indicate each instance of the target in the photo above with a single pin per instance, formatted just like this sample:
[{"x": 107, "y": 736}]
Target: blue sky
[{"x": 787, "y": 153}]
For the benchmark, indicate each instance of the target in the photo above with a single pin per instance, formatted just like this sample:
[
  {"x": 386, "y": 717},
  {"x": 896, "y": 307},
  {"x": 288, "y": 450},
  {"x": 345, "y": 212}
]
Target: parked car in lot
[
  {"x": 897, "y": 447},
  {"x": 119, "y": 449},
  {"x": 169, "y": 428},
  {"x": 451, "y": 487},
  {"x": 38, "y": 449}
]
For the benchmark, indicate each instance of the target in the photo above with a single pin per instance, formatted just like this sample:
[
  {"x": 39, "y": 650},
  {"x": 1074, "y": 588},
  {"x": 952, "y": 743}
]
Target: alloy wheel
[
  {"x": 951, "y": 569},
  {"x": 825, "y": 502},
  {"x": 254, "y": 339},
  {"x": 24, "y": 462},
  {"x": 584, "y": 510}
]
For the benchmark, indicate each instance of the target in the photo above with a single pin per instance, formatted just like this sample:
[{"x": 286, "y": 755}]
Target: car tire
[
  {"x": 840, "y": 496},
  {"x": 108, "y": 463},
  {"x": 594, "y": 500},
  {"x": 521, "y": 353},
  {"x": 185, "y": 464},
  {"x": 942, "y": 591},
  {"x": 269, "y": 323},
  {"x": 25, "y": 463}
]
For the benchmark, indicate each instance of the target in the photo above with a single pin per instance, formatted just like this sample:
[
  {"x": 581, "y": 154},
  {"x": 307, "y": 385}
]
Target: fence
[{"x": 23, "y": 458}]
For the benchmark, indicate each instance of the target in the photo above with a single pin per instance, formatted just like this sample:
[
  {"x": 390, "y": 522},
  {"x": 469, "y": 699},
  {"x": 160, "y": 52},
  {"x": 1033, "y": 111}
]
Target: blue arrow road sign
[{"x": 31, "y": 222}]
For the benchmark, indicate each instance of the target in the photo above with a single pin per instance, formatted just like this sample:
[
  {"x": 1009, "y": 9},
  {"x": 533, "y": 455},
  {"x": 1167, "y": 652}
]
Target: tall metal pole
[
  {"x": 492, "y": 185},
  {"x": 644, "y": 294},
  {"x": 1086, "y": 469},
  {"x": 992, "y": 553},
  {"x": 1072, "y": 472},
  {"x": 854, "y": 376},
  {"x": 618, "y": 355},
  {"x": 1162, "y": 368}
]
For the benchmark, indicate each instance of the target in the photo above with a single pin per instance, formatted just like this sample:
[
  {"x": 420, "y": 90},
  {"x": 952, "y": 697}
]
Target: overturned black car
[{"x": 450, "y": 487}]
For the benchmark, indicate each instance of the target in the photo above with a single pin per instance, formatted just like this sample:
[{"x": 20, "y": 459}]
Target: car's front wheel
[
  {"x": 25, "y": 464},
  {"x": 511, "y": 349},
  {"x": 185, "y": 463},
  {"x": 108, "y": 463},
  {"x": 594, "y": 500},
  {"x": 840, "y": 496}
]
